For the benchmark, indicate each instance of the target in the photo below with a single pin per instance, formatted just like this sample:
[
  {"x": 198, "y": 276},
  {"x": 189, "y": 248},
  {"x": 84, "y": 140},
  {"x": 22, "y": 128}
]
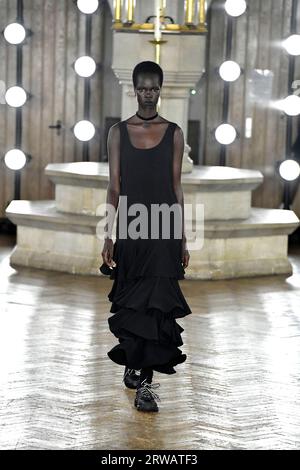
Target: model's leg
[{"x": 146, "y": 373}]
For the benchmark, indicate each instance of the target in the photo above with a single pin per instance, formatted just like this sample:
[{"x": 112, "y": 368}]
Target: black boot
[
  {"x": 145, "y": 396},
  {"x": 130, "y": 378}
]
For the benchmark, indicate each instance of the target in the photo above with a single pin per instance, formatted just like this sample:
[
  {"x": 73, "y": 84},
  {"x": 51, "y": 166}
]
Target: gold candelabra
[{"x": 194, "y": 14}]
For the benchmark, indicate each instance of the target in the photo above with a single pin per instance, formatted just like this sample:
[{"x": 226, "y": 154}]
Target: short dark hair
[{"x": 147, "y": 66}]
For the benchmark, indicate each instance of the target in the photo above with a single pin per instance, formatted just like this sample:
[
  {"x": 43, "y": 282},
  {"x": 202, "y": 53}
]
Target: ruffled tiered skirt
[{"x": 146, "y": 300}]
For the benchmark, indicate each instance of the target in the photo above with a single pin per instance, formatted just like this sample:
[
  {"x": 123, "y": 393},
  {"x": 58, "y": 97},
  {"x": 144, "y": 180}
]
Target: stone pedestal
[{"x": 239, "y": 240}]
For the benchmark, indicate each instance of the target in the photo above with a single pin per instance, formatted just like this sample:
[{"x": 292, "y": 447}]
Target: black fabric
[
  {"x": 146, "y": 297},
  {"x": 146, "y": 373}
]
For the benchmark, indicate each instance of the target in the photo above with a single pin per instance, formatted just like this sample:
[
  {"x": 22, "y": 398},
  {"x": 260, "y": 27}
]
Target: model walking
[{"x": 145, "y": 157}]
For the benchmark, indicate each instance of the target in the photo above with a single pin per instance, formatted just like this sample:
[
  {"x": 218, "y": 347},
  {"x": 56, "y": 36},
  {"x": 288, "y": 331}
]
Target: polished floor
[{"x": 238, "y": 389}]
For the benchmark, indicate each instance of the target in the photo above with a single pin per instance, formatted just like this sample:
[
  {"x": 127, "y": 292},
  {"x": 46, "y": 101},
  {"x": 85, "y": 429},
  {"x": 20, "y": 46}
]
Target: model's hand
[
  {"x": 185, "y": 256},
  {"x": 107, "y": 252}
]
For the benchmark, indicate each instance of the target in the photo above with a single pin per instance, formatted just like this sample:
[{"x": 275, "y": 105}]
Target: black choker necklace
[{"x": 146, "y": 119}]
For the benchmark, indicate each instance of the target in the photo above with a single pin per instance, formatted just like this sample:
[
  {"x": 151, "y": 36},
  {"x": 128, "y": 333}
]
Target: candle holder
[
  {"x": 195, "y": 18},
  {"x": 118, "y": 4},
  {"x": 189, "y": 8}
]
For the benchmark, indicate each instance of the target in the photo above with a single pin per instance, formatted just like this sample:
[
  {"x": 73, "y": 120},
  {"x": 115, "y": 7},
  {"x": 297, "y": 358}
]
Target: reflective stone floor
[{"x": 238, "y": 389}]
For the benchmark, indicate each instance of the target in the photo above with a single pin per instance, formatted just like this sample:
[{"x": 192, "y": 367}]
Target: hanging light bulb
[
  {"x": 15, "y": 159},
  {"x": 235, "y": 7},
  {"x": 289, "y": 170},
  {"x": 15, "y": 96},
  {"x": 229, "y": 71},
  {"x": 292, "y": 44},
  {"x": 290, "y": 105},
  {"x": 225, "y": 134},
  {"x": 14, "y": 33},
  {"x": 85, "y": 66},
  {"x": 84, "y": 130},
  {"x": 87, "y": 6}
]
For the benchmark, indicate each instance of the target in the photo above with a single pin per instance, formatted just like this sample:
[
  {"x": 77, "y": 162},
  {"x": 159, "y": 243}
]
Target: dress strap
[
  {"x": 171, "y": 129},
  {"x": 121, "y": 127},
  {"x": 123, "y": 134}
]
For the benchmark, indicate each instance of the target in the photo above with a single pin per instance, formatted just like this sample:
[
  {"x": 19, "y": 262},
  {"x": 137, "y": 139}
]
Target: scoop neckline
[{"x": 151, "y": 148}]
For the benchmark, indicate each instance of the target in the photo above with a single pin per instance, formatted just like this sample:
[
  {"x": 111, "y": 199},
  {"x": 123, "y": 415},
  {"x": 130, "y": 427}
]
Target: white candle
[{"x": 157, "y": 31}]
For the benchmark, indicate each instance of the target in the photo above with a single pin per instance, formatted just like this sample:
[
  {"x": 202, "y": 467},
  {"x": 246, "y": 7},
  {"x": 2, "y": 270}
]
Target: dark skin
[{"x": 147, "y": 92}]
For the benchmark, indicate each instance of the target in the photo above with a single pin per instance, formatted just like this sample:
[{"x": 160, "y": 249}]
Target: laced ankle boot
[
  {"x": 146, "y": 373},
  {"x": 145, "y": 395},
  {"x": 131, "y": 378}
]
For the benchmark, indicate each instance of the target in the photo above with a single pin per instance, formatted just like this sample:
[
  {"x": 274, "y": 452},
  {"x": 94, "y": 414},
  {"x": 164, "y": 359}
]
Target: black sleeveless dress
[{"x": 146, "y": 296}]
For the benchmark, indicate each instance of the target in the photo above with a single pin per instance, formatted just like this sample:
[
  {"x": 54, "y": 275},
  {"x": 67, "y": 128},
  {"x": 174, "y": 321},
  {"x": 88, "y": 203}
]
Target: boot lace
[
  {"x": 128, "y": 372},
  {"x": 146, "y": 390}
]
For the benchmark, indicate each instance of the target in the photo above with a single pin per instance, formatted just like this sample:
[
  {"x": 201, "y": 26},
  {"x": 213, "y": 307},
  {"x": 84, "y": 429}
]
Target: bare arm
[
  {"x": 113, "y": 189},
  {"x": 177, "y": 165}
]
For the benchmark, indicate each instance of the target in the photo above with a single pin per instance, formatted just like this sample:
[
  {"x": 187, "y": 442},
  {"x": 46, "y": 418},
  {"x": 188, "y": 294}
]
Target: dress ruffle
[{"x": 145, "y": 308}]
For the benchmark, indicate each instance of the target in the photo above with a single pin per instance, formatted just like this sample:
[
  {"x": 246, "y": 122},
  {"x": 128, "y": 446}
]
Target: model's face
[{"x": 147, "y": 90}]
